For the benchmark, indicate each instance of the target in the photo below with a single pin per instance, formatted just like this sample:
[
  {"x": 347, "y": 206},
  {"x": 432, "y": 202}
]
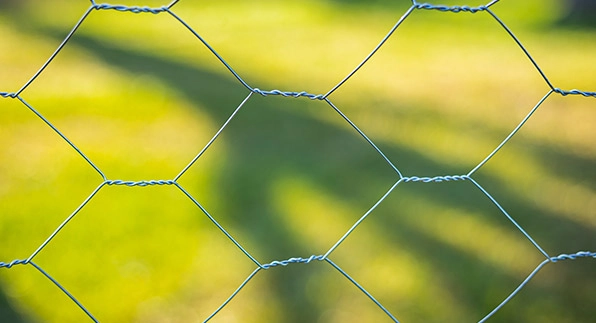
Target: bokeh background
[{"x": 141, "y": 96}]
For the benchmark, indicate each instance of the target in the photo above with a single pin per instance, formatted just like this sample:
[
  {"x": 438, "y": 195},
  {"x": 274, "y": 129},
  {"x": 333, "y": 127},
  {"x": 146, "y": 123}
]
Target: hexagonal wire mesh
[{"x": 326, "y": 257}]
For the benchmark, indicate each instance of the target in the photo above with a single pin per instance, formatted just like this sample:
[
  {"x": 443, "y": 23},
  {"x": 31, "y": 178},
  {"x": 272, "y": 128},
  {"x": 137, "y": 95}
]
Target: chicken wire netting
[{"x": 271, "y": 156}]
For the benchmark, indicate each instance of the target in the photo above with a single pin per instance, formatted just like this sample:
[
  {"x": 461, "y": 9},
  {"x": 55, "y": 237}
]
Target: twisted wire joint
[
  {"x": 579, "y": 254},
  {"x": 436, "y": 179},
  {"x": 292, "y": 261},
  {"x": 574, "y": 92},
  {"x": 140, "y": 183},
  {"x": 454, "y": 9},
  {"x": 289, "y": 94},
  {"x": 12, "y": 263},
  {"x": 133, "y": 9}
]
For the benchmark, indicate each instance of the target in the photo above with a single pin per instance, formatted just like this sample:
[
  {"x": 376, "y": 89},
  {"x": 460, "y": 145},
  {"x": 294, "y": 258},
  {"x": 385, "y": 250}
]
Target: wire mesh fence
[{"x": 393, "y": 173}]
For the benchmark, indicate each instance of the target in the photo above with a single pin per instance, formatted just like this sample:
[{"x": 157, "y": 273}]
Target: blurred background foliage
[{"x": 140, "y": 96}]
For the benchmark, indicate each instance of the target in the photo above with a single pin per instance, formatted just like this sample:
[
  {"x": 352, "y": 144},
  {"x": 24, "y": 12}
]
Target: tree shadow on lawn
[
  {"x": 7, "y": 311},
  {"x": 273, "y": 136},
  {"x": 249, "y": 176}
]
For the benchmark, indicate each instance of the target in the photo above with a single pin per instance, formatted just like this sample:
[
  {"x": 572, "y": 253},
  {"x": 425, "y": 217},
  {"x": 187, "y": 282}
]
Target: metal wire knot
[
  {"x": 454, "y": 9},
  {"x": 573, "y": 256},
  {"x": 133, "y": 9},
  {"x": 436, "y": 179},
  {"x": 12, "y": 263},
  {"x": 292, "y": 261},
  {"x": 289, "y": 94},
  {"x": 140, "y": 183}
]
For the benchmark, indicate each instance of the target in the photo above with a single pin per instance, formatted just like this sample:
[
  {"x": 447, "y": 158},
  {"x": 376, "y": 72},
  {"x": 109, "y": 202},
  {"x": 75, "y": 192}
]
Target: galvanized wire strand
[
  {"x": 49, "y": 60},
  {"x": 365, "y": 137},
  {"x": 210, "y": 142},
  {"x": 575, "y": 92},
  {"x": 293, "y": 94},
  {"x": 219, "y": 226},
  {"x": 362, "y": 289},
  {"x": 561, "y": 257},
  {"x": 518, "y": 42},
  {"x": 290, "y": 94},
  {"x": 172, "y": 4},
  {"x": 141, "y": 183},
  {"x": 300, "y": 260},
  {"x": 13, "y": 263},
  {"x": 573, "y": 256},
  {"x": 294, "y": 260},
  {"x": 66, "y": 292},
  {"x": 63, "y": 137},
  {"x": 491, "y": 3},
  {"x": 228, "y": 66},
  {"x": 414, "y": 2},
  {"x": 397, "y": 24},
  {"x": 509, "y": 217},
  {"x": 234, "y": 293},
  {"x": 454, "y": 9},
  {"x": 511, "y": 134},
  {"x": 133, "y": 9},
  {"x": 519, "y": 287},
  {"x": 65, "y": 222},
  {"x": 436, "y": 179},
  {"x": 355, "y": 225}
]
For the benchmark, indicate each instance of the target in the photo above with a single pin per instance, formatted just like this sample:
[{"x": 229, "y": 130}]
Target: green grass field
[{"x": 141, "y": 96}]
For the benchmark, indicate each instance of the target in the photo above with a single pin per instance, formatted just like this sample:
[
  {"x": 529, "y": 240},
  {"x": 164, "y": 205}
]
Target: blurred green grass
[{"x": 141, "y": 96}]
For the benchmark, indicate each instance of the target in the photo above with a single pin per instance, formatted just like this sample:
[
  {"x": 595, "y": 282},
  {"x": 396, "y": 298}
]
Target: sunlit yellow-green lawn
[{"x": 140, "y": 96}]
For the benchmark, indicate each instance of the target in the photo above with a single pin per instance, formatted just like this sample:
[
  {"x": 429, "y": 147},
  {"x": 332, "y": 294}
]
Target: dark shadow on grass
[
  {"x": 7, "y": 312},
  {"x": 258, "y": 160}
]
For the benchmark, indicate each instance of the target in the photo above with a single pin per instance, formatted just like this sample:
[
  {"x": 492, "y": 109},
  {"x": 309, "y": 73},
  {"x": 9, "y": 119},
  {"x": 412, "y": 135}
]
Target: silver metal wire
[{"x": 400, "y": 178}]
